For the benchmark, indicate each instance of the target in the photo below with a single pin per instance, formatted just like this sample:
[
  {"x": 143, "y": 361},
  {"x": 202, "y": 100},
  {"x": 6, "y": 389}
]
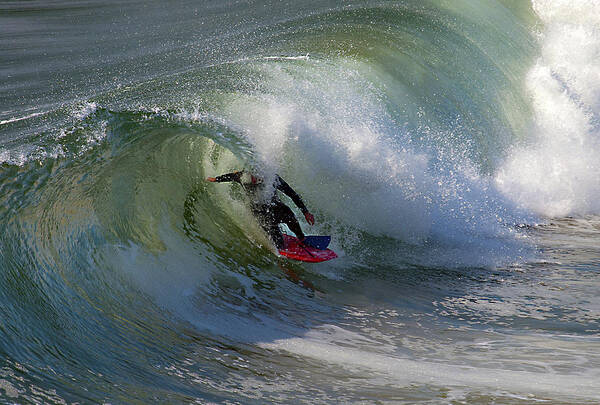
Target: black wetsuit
[{"x": 271, "y": 211}]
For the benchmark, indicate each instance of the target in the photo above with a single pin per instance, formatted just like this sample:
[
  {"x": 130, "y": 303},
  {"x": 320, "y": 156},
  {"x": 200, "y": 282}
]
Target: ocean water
[{"x": 451, "y": 149}]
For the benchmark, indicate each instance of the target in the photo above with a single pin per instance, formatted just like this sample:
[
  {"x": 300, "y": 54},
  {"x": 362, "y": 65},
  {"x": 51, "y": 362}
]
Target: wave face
[{"x": 449, "y": 148}]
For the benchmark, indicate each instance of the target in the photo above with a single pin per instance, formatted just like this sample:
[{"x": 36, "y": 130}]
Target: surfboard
[
  {"x": 294, "y": 249},
  {"x": 318, "y": 242}
]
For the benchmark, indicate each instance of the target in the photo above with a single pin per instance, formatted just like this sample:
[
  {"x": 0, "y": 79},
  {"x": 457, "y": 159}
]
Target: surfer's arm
[
  {"x": 235, "y": 176},
  {"x": 281, "y": 185}
]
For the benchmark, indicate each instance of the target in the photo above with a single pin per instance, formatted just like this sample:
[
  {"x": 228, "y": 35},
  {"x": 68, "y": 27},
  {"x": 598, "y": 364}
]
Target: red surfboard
[{"x": 293, "y": 249}]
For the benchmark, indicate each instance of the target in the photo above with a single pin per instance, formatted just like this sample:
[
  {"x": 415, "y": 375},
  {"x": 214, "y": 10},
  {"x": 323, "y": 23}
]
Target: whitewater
[{"x": 450, "y": 148}]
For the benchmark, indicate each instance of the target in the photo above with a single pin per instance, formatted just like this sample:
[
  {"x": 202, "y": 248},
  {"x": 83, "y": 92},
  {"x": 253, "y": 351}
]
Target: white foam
[
  {"x": 24, "y": 154},
  {"x": 85, "y": 110},
  {"x": 17, "y": 119},
  {"x": 404, "y": 372},
  {"x": 556, "y": 173},
  {"x": 301, "y": 57}
]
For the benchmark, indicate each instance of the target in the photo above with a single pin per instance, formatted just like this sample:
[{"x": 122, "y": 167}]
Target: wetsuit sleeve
[
  {"x": 235, "y": 176},
  {"x": 281, "y": 185}
]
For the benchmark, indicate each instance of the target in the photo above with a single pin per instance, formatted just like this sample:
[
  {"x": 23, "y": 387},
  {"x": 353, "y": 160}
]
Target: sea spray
[
  {"x": 555, "y": 171},
  {"x": 325, "y": 125}
]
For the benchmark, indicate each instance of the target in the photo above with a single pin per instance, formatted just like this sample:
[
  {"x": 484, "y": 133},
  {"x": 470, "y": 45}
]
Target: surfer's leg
[
  {"x": 285, "y": 215},
  {"x": 266, "y": 216},
  {"x": 276, "y": 236}
]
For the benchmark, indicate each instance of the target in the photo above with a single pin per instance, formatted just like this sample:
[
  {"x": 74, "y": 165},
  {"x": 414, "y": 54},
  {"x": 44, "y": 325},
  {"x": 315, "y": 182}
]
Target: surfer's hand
[
  {"x": 309, "y": 218},
  {"x": 211, "y": 179}
]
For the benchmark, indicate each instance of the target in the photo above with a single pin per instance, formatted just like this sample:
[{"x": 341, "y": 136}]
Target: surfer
[{"x": 268, "y": 209}]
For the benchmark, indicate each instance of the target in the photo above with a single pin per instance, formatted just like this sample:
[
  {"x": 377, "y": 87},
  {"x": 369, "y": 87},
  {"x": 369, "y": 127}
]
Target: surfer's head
[{"x": 248, "y": 178}]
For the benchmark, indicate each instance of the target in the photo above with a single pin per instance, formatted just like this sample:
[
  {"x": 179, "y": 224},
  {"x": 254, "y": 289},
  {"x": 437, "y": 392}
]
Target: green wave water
[{"x": 447, "y": 146}]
